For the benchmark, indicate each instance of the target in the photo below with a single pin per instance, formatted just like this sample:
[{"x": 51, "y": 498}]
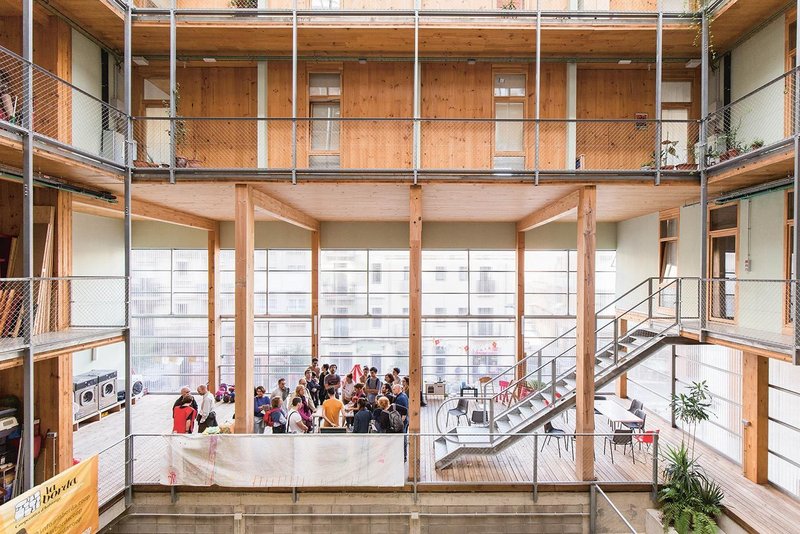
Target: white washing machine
[
  {"x": 106, "y": 387},
  {"x": 85, "y": 401}
]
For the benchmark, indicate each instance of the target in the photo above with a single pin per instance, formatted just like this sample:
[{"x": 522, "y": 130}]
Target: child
[{"x": 275, "y": 416}]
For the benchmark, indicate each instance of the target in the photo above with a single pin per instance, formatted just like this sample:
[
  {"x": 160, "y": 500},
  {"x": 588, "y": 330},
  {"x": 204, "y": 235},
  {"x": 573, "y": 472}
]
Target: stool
[{"x": 473, "y": 389}]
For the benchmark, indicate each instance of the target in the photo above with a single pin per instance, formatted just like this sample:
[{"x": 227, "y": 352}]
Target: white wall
[
  {"x": 637, "y": 251},
  {"x": 98, "y": 249},
  {"x": 86, "y": 75}
]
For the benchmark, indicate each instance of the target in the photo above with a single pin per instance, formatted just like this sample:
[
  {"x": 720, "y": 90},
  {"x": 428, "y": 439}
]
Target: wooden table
[{"x": 615, "y": 413}]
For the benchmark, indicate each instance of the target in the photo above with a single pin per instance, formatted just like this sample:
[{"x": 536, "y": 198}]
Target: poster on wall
[{"x": 65, "y": 504}]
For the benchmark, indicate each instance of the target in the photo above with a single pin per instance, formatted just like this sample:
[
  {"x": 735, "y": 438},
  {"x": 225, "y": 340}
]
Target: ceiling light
[
  {"x": 210, "y": 60},
  {"x": 471, "y": 61},
  {"x": 693, "y": 63},
  {"x": 140, "y": 60},
  {"x": 362, "y": 60},
  {"x": 624, "y": 62}
]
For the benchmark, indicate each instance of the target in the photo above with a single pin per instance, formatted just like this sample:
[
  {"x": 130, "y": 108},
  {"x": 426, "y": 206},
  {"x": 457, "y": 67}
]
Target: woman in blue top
[{"x": 260, "y": 406}]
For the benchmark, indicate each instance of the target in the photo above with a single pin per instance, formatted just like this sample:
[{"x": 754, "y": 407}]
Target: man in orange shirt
[{"x": 332, "y": 409}]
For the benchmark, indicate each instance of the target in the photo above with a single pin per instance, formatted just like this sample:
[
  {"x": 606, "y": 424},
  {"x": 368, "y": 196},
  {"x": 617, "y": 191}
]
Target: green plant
[
  {"x": 509, "y": 5},
  {"x": 535, "y": 385},
  {"x": 668, "y": 148},
  {"x": 692, "y": 408},
  {"x": 689, "y": 500},
  {"x": 180, "y": 125},
  {"x": 756, "y": 144}
]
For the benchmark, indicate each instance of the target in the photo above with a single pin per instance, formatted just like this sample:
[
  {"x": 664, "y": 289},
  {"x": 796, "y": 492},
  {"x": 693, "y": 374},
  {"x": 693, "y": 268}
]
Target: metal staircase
[{"x": 522, "y": 409}]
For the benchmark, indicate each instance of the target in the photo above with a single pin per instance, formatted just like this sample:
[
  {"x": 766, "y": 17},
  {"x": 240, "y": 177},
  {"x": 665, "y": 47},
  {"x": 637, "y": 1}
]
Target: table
[
  {"x": 472, "y": 389},
  {"x": 615, "y": 413}
]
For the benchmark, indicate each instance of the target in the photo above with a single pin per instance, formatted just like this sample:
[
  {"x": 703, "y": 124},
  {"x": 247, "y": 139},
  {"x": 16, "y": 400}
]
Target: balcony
[
  {"x": 67, "y": 312},
  {"x": 501, "y": 148}
]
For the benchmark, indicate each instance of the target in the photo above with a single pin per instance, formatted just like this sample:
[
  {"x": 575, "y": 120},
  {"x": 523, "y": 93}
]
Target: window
[
  {"x": 364, "y": 308},
  {"x": 469, "y": 313},
  {"x": 325, "y": 91},
  {"x": 509, "y": 110},
  {"x": 784, "y": 426},
  {"x": 723, "y": 231},
  {"x": 676, "y": 105},
  {"x": 668, "y": 257},
  {"x": 789, "y": 256}
]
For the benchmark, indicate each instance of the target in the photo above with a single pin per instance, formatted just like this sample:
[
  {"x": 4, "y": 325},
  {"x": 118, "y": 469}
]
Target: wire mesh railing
[
  {"x": 761, "y": 118},
  {"x": 62, "y": 113},
  {"x": 78, "y": 303},
  {"x": 445, "y": 145},
  {"x": 13, "y": 316}
]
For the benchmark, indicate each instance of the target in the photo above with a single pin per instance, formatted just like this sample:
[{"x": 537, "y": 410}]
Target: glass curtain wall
[{"x": 784, "y": 426}]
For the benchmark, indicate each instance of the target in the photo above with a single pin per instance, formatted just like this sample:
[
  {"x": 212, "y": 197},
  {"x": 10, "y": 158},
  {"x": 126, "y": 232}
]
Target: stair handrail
[{"x": 561, "y": 336}]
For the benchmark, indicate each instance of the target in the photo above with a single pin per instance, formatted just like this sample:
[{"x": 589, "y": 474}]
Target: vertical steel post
[
  {"x": 796, "y": 278},
  {"x": 659, "y": 74},
  {"x": 672, "y": 379},
  {"x": 553, "y": 381},
  {"x": 616, "y": 340},
  {"x": 650, "y": 298},
  {"x": 593, "y": 508},
  {"x": 655, "y": 467},
  {"x": 538, "y": 85},
  {"x": 536, "y": 467},
  {"x": 703, "y": 175},
  {"x": 294, "y": 92},
  {"x": 27, "y": 245},
  {"x": 417, "y": 130},
  {"x": 678, "y": 297},
  {"x": 173, "y": 85},
  {"x": 539, "y": 366},
  {"x": 127, "y": 73}
]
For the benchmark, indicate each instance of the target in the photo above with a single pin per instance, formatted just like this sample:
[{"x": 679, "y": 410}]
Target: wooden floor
[{"x": 769, "y": 510}]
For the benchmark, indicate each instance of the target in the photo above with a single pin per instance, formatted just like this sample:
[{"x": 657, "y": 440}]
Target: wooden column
[
  {"x": 622, "y": 381},
  {"x": 213, "y": 313},
  {"x": 243, "y": 300},
  {"x": 315, "y": 250},
  {"x": 522, "y": 368},
  {"x": 585, "y": 344},
  {"x": 755, "y": 410},
  {"x": 415, "y": 325}
]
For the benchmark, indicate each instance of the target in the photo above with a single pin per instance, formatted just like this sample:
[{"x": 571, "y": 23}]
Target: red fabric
[{"x": 181, "y": 414}]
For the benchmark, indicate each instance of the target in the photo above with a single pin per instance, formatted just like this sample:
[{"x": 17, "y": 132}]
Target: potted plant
[
  {"x": 535, "y": 385},
  {"x": 509, "y": 5},
  {"x": 179, "y": 132},
  {"x": 690, "y": 501},
  {"x": 668, "y": 148},
  {"x": 756, "y": 144}
]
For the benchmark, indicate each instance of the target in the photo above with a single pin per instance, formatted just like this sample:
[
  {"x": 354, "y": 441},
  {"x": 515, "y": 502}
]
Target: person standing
[
  {"x": 205, "y": 407},
  {"x": 348, "y": 388},
  {"x": 295, "y": 424},
  {"x": 260, "y": 407},
  {"x": 183, "y": 416},
  {"x": 363, "y": 418},
  {"x": 179, "y": 401},
  {"x": 333, "y": 380},
  {"x": 373, "y": 386},
  {"x": 282, "y": 390},
  {"x": 332, "y": 410}
]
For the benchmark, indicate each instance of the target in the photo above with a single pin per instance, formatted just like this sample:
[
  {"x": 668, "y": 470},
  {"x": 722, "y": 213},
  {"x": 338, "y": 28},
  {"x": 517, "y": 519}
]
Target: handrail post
[
  {"x": 539, "y": 365},
  {"x": 536, "y": 467},
  {"x": 616, "y": 340},
  {"x": 650, "y": 298},
  {"x": 553, "y": 380},
  {"x": 655, "y": 466},
  {"x": 593, "y": 508},
  {"x": 491, "y": 420},
  {"x": 678, "y": 302}
]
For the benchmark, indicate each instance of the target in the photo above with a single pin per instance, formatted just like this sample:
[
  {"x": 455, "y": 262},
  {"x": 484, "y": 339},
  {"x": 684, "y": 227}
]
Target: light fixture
[
  {"x": 210, "y": 60},
  {"x": 140, "y": 60},
  {"x": 624, "y": 61},
  {"x": 362, "y": 61},
  {"x": 471, "y": 61},
  {"x": 693, "y": 63}
]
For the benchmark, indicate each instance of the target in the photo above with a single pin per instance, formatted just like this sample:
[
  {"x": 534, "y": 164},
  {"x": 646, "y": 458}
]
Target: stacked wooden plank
[{"x": 11, "y": 296}]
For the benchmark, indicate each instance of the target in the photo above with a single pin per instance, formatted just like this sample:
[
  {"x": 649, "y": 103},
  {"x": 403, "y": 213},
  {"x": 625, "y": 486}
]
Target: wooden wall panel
[
  {"x": 615, "y": 94},
  {"x": 456, "y": 90},
  {"x": 553, "y": 105},
  {"x": 377, "y": 90},
  {"x": 279, "y": 104}
]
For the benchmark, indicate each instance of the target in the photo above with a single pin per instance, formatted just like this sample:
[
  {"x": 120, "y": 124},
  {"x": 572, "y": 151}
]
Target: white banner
[{"x": 310, "y": 460}]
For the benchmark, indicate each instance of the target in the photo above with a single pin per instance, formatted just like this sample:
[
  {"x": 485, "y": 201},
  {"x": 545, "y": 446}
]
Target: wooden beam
[
  {"x": 585, "y": 345},
  {"x": 755, "y": 410},
  {"x": 214, "y": 326},
  {"x": 284, "y": 212},
  {"x": 415, "y": 325},
  {"x": 551, "y": 212},
  {"x": 622, "y": 381},
  {"x": 522, "y": 368},
  {"x": 142, "y": 209},
  {"x": 244, "y": 229},
  {"x": 315, "y": 253}
]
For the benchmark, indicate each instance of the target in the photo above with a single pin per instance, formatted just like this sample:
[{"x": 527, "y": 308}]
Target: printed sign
[{"x": 65, "y": 504}]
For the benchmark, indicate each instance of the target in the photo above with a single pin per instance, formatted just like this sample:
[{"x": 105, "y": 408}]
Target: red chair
[
  {"x": 503, "y": 396},
  {"x": 524, "y": 392},
  {"x": 647, "y": 438}
]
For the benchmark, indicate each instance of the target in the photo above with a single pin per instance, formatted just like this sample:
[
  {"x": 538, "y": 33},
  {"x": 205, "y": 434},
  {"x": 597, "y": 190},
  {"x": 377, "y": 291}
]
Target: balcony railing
[
  {"x": 63, "y": 115},
  {"x": 509, "y": 7},
  {"x": 461, "y": 146},
  {"x": 64, "y": 309},
  {"x": 760, "y": 120}
]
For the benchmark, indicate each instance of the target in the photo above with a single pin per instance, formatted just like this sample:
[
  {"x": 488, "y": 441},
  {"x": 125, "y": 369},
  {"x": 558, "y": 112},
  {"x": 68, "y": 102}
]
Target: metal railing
[
  {"x": 595, "y": 513},
  {"x": 64, "y": 116},
  {"x": 62, "y": 308},
  {"x": 461, "y": 146},
  {"x": 760, "y": 120}
]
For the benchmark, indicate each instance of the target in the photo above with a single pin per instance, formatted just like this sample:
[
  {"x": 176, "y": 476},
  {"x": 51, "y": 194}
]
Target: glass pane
[
  {"x": 324, "y": 84},
  {"x": 325, "y": 134},
  {"x": 509, "y": 85},
  {"x": 289, "y": 260},
  {"x": 508, "y": 135},
  {"x": 669, "y": 228},
  {"x": 669, "y": 259},
  {"x": 724, "y": 218},
  {"x": 545, "y": 260},
  {"x": 348, "y": 260},
  {"x": 151, "y": 260},
  {"x": 678, "y": 91},
  {"x": 492, "y": 260}
]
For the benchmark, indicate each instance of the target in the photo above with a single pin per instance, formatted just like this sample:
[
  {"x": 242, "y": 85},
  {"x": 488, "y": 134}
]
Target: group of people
[{"x": 320, "y": 398}]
